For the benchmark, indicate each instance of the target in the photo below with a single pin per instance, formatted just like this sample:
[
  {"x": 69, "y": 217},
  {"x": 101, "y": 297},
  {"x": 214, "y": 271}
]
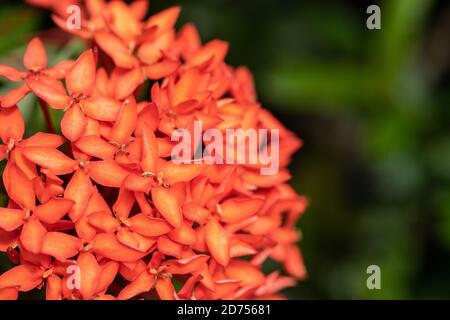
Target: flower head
[{"x": 111, "y": 202}]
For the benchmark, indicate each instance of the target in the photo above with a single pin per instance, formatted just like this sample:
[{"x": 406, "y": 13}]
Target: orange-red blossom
[{"x": 110, "y": 202}]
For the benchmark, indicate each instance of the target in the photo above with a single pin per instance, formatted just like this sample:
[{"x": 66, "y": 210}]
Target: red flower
[
  {"x": 35, "y": 63},
  {"x": 113, "y": 203}
]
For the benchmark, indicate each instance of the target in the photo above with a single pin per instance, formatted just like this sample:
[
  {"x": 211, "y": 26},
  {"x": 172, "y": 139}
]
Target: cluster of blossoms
[{"x": 105, "y": 196}]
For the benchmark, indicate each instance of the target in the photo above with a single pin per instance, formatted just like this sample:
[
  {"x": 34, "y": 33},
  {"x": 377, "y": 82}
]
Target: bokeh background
[{"x": 373, "y": 109}]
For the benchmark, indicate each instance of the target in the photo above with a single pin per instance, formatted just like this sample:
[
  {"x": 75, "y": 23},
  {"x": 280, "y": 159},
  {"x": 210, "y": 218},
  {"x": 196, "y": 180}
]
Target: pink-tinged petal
[
  {"x": 43, "y": 139},
  {"x": 35, "y": 57},
  {"x": 149, "y": 150},
  {"x": 102, "y": 108},
  {"x": 12, "y": 125},
  {"x": 127, "y": 83},
  {"x": 32, "y": 236},
  {"x": 15, "y": 95},
  {"x": 19, "y": 188},
  {"x": 294, "y": 263},
  {"x": 61, "y": 246},
  {"x": 51, "y": 159},
  {"x": 73, "y": 123},
  {"x": 124, "y": 203},
  {"x": 164, "y": 20},
  {"x": 153, "y": 48},
  {"x": 89, "y": 274},
  {"x": 9, "y": 293},
  {"x": 165, "y": 289},
  {"x": 96, "y": 147},
  {"x": 185, "y": 235},
  {"x": 187, "y": 265},
  {"x": 148, "y": 115},
  {"x": 11, "y": 219},
  {"x": 53, "y": 288},
  {"x": 107, "y": 173},
  {"x": 107, "y": 245},
  {"x": 143, "y": 283},
  {"x": 52, "y": 96},
  {"x": 26, "y": 277},
  {"x": 81, "y": 78},
  {"x": 214, "y": 51},
  {"x": 11, "y": 73},
  {"x": 107, "y": 276},
  {"x": 168, "y": 204},
  {"x": 103, "y": 221},
  {"x": 139, "y": 8},
  {"x": 169, "y": 248},
  {"x": 138, "y": 183},
  {"x": 116, "y": 49},
  {"x": 53, "y": 210},
  {"x": 235, "y": 210},
  {"x": 79, "y": 189},
  {"x": 60, "y": 70},
  {"x": 161, "y": 69},
  {"x": 135, "y": 240},
  {"x": 218, "y": 241},
  {"x": 126, "y": 123},
  {"x": 149, "y": 227},
  {"x": 244, "y": 271}
]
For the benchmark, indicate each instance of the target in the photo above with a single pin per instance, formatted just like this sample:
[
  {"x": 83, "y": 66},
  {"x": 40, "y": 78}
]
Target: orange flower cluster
[{"x": 105, "y": 197}]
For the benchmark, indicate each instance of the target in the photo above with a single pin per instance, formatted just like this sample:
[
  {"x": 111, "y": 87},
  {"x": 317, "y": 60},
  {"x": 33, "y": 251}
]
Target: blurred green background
[{"x": 373, "y": 110}]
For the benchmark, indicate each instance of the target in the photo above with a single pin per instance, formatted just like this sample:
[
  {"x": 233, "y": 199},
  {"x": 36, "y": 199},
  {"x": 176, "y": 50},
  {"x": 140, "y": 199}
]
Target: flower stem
[{"x": 48, "y": 119}]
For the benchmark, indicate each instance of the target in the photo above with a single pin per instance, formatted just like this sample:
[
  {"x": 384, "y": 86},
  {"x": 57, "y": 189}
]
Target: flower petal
[
  {"x": 149, "y": 150},
  {"x": 60, "y": 70},
  {"x": 127, "y": 83},
  {"x": 218, "y": 242},
  {"x": 14, "y": 96},
  {"x": 35, "y": 57},
  {"x": 238, "y": 209},
  {"x": 20, "y": 189},
  {"x": 60, "y": 245},
  {"x": 95, "y": 146},
  {"x": 53, "y": 210},
  {"x": 116, "y": 49},
  {"x": 79, "y": 189},
  {"x": 73, "y": 123},
  {"x": 125, "y": 124},
  {"x": 107, "y": 245},
  {"x": 107, "y": 173},
  {"x": 10, "y": 73},
  {"x": 149, "y": 227},
  {"x": 101, "y": 108},
  {"x": 89, "y": 274},
  {"x": 51, "y": 159},
  {"x": 168, "y": 205},
  {"x": 25, "y": 276},
  {"x": 32, "y": 236},
  {"x": 103, "y": 221},
  {"x": 161, "y": 69},
  {"x": 81, "y": 78},
  {"x": 11, "y": 219},
  {"x": 52, "y": 96},
  {"x": 12, "y": 125},
  {"x": 143, "y": 283}
]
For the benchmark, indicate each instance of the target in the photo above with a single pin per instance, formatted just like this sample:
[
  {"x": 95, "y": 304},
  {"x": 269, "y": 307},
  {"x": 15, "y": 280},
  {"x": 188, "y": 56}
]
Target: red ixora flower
[{"x": 102, "y": 212}]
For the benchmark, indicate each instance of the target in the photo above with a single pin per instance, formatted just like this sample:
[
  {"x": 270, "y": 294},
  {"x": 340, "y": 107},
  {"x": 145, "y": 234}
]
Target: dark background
[{"x": 372, "y": 108}]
